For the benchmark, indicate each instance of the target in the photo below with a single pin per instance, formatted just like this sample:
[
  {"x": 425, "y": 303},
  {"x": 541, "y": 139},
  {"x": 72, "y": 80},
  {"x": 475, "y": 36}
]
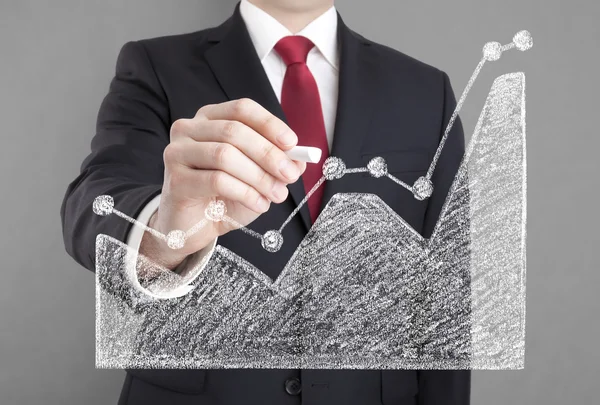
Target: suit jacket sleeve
[
  {"x": 125, "y": 162},
  {"x": 445, "y": 387}
]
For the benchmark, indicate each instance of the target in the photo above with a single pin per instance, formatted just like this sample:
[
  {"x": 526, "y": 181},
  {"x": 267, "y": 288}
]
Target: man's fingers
[
  {"x": 200, "y": 184},
  {"x": 228, "y": 158},
  {"x": 254, "y": 116},
  {"x": 267, "y": 155}
]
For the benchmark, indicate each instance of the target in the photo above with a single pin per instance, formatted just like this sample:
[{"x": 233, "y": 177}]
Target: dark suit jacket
[{"x": 390, "y": 105}]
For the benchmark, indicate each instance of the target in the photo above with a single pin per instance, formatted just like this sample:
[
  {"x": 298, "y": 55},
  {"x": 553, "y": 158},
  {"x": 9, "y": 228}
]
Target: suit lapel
[
  {"x": 358, "y": 88},
  {"x": 235, "y": 64}
]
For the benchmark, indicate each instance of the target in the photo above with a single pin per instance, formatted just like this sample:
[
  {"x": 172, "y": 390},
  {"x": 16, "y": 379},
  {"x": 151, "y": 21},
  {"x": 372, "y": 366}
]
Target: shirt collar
[{"x": 265, "y": 31}]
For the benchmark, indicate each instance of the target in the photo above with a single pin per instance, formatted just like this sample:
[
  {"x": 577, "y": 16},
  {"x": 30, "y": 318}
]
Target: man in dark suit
[{"x": 210, "y": 114}]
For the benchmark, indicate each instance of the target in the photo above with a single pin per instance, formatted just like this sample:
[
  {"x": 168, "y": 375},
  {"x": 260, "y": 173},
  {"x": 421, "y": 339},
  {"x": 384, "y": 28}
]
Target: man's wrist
[{"x": 157, "y": 250}]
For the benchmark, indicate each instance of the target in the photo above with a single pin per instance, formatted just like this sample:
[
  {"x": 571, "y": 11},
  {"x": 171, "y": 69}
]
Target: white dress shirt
[{"x": 323, "y": 62}]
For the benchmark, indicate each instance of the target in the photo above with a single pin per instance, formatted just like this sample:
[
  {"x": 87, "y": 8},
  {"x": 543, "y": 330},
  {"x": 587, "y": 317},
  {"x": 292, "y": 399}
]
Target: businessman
[{"x": 210, "y": 114}]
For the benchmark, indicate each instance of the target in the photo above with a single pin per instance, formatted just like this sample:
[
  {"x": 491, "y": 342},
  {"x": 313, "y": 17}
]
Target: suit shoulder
[
  {"x": 177, "y": 41},
  {"x": 395, "y": 60},
  {"x": 169, "y": 51}
]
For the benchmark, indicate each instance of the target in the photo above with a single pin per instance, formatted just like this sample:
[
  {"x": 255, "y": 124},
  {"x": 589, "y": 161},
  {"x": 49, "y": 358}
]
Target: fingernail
[
  {"x": 262, "y": 203},
  {"x": 288, "y": 138},
  {"x": 279, "y": 190},
  {"x": 288, "y": 169}
]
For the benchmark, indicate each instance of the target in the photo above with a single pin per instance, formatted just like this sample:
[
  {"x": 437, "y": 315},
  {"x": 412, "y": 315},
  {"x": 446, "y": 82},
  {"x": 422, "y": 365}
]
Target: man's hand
[{"x": 233, "y": 151}]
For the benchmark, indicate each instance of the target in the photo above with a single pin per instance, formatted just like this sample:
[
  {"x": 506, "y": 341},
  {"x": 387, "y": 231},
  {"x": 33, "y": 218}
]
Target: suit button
[{"x": 293, "y": 386}]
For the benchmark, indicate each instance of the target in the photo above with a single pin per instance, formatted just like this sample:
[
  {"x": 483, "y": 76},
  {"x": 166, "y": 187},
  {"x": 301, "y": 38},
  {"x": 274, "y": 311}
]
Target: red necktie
[{"x": 301, "y": 104}]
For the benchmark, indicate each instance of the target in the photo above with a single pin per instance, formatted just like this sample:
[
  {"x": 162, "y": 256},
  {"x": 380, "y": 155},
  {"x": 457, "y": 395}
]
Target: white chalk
[{"x": 307, "y": 154}]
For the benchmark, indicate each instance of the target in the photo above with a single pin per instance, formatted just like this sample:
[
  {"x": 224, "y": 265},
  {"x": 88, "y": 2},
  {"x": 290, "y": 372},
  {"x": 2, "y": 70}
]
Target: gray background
[{"x": 58, "y": 57}]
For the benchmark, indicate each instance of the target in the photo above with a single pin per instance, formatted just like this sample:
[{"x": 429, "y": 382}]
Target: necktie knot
[{"x": 293, "y": 49}]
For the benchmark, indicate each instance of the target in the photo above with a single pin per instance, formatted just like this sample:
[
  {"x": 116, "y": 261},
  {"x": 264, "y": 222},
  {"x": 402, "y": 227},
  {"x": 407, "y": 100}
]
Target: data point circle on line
[
  {"x": 423, "y": 188},
  {"x": 176, "y": 239},
  {"x": 103, "y": 205},
  {"x": 492, "y": 51},
  {"x": 523, "y": 40},
  {"x": 377, "y": 167},
  {"x": 333, "y": 168},
  {"x": 272, "y": 240},
  {"x": 216, "y": 210}
]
